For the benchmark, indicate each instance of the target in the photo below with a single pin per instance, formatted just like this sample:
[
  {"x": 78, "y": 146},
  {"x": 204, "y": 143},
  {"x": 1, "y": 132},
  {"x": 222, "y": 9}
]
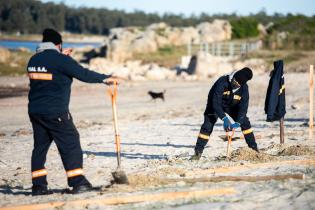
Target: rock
[
  {"x": 257, "y": 65},
  {"x": 144, "y": 43},
  {"x": 5, "y": 55},
  {"x": 122, "y": 43},
  {"x": 158, "y": 26},
  {"x": 162, "y": 41},
  {"x": 137, "y": 78},
  {"x": 187, "y": 77},
  {"x": 101, "y": 65},
  {"x": 218, "y": 30},
  {"x": 208, "y": 65},
  {"x": 155, "y": 73},
  {"x": 188, "y": 35},
  {"x": 262, "y": 30},
  {"x": 170, "y": 75},
  {"x": 123, "y": 72},
  {"x": 119, "y": 51}
]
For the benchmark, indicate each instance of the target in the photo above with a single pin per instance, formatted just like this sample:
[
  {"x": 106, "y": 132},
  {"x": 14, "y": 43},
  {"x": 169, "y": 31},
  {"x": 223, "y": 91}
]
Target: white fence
[{"x": 231, "y": 49}]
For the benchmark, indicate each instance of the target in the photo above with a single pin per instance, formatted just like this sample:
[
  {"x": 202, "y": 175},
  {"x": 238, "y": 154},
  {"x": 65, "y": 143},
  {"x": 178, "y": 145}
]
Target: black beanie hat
[
  {"x": 50, "y": 35},
  {"x": 243, "y": 75}
]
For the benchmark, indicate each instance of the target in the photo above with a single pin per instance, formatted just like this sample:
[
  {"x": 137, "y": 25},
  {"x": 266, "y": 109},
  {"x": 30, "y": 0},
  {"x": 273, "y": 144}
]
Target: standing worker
[
  {"x": 51, "y": 71},
  {"x": 229, "y": 94}
]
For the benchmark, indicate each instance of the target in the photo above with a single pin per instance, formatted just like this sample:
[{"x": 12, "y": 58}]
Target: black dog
[{"x": 156, "y": 95}]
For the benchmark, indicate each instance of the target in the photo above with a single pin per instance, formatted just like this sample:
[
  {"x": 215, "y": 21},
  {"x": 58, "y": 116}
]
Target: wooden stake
[
  {"x": 240, "y": 178},
  {"x": 281, "y": 131},
  {"x": 120, "y": 199},
  {"x": 311, "y": 122}
]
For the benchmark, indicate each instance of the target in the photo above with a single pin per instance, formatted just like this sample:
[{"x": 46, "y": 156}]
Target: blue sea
[{"x": 33, "y": 44}]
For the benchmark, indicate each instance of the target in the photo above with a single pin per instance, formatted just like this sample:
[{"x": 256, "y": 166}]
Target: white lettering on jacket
[{"x": 36, "y": 69}]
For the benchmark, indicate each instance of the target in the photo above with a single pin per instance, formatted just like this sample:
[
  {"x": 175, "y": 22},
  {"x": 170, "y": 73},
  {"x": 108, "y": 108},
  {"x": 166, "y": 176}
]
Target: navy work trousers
[
  {"x": 62, "y": 131},
  {"x": 207, "y": 127}
]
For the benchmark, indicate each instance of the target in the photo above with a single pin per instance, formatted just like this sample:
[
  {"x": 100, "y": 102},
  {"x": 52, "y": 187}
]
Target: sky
[{"x": 188, "y": 7}]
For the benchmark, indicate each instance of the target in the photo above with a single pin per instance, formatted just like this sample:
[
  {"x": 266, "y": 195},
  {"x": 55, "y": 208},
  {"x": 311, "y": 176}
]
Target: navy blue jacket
[
  {"x": 221, "y": 99},
  {"x": 51, "y": 74},
  {"x": 275, "y": 97}
]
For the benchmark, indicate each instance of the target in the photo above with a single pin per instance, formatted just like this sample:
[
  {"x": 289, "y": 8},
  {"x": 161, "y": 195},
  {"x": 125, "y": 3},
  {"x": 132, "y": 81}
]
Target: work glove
[
  {"x": 235, "y": 125},
  {"x": 226, "y": 124}
]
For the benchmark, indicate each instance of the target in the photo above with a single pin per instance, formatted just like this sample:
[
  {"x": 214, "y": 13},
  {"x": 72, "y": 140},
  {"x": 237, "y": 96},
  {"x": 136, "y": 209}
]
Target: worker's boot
[
  {"x": 82, "y": 189},
  {"x": 40, "y": 190},
  {"x": 196, "y": 156},
  {"x": 251, "y": 142},
  {"x": 80, "y": 186},
  {"x": 202, "y": 141}
]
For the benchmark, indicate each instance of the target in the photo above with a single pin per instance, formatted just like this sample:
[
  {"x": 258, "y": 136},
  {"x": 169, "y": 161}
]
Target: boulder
[
  {"x": 157, "y": 26},
  {"x": 155, "y": 73},
  {"x": 208, "y": 65},
  {"x": 173, "y": 35},
  {"x": 256, "y": 64},
  {"x": 218, "y": 30},
  {"x": 188, "y": 35},
  {"x": 119, "y": 51},
  {"x": 144, "y": 43},
  {"x": 262, "y": 30}
]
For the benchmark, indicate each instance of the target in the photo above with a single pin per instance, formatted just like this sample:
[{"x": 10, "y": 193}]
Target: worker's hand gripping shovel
[
  {"x": 229, "y": 138},
  {"x": 118, "y": 175}
]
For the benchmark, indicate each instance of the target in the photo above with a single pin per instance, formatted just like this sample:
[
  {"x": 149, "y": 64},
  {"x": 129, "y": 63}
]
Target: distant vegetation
[
  {"x": 30, "y": 17},
  {"x": 244, "y": 27}
]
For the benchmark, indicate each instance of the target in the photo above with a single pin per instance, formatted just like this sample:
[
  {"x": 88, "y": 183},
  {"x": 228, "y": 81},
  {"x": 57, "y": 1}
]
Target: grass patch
[
  {"x": 288, "y": 56},
  {"x": 16, "y": 65},
  {"x": 168, "y": 56}
]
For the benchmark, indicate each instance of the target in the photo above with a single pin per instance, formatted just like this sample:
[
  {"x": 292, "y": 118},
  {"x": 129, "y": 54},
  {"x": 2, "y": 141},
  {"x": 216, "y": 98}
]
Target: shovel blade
[{"x": 120, "y": 177}]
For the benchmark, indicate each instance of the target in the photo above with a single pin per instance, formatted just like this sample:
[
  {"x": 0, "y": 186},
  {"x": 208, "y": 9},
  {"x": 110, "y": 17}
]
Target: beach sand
[{"x": 157, "y": 140}]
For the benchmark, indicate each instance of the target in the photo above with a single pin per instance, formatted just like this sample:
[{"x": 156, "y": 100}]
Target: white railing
[{"x": 231, "y": 49}]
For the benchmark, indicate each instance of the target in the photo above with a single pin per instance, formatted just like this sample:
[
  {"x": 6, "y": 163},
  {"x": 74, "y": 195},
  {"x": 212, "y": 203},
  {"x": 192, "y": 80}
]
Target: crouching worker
[
  {"x": 51, "y": 71},
  {"x": 229, "y": 94}
]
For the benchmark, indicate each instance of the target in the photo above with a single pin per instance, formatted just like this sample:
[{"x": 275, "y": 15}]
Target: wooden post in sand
[
  {"x": 281, "y": 131},
  {"x": 311, "y": 122}
]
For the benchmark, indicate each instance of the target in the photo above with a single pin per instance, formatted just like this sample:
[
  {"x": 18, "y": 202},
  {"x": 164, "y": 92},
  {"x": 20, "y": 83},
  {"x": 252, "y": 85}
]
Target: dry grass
[
  {"x": 168, "y": 56},
  {"x": 16, "y": 65}
]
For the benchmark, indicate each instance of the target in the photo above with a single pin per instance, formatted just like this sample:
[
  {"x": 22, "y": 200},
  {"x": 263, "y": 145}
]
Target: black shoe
[
  {"x": 81, "y": 189},
  {"x": 256, "y": 149},
  {"x": 196, "y": 156},
  {"x": 40, "y": 190}
]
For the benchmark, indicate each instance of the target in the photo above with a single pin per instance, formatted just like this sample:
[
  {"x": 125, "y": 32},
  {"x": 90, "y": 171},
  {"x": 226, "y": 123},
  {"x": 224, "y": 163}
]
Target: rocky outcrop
[
  {"x": 218, "y": 30},
  {"x": 122, "y": 43},
  {"x": 132, "y": 70},
  {"x": 202, "y": 66}
]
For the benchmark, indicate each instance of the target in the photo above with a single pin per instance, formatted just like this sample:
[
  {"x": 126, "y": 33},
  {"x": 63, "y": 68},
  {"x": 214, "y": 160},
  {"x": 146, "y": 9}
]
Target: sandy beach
[{"x": 157, "y": 140}]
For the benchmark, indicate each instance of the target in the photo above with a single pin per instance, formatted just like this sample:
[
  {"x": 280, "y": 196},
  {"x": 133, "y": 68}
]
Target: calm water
[{"x": 33, "y": 44}]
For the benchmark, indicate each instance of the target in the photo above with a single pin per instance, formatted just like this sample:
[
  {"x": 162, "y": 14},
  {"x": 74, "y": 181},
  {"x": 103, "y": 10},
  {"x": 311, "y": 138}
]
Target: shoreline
[{"x": 76, "y": 38}]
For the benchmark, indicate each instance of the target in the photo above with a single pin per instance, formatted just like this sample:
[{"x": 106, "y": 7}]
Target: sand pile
[
  {"x": 248, "y": 154},
  {"x": 297, "y": 150},
  {"x": 142, "y": 180}
]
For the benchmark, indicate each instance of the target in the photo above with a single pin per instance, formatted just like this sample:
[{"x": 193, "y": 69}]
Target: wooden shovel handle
[
  {"x": 113, "y": 95},
  {"x": 229, "y": 137}
]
